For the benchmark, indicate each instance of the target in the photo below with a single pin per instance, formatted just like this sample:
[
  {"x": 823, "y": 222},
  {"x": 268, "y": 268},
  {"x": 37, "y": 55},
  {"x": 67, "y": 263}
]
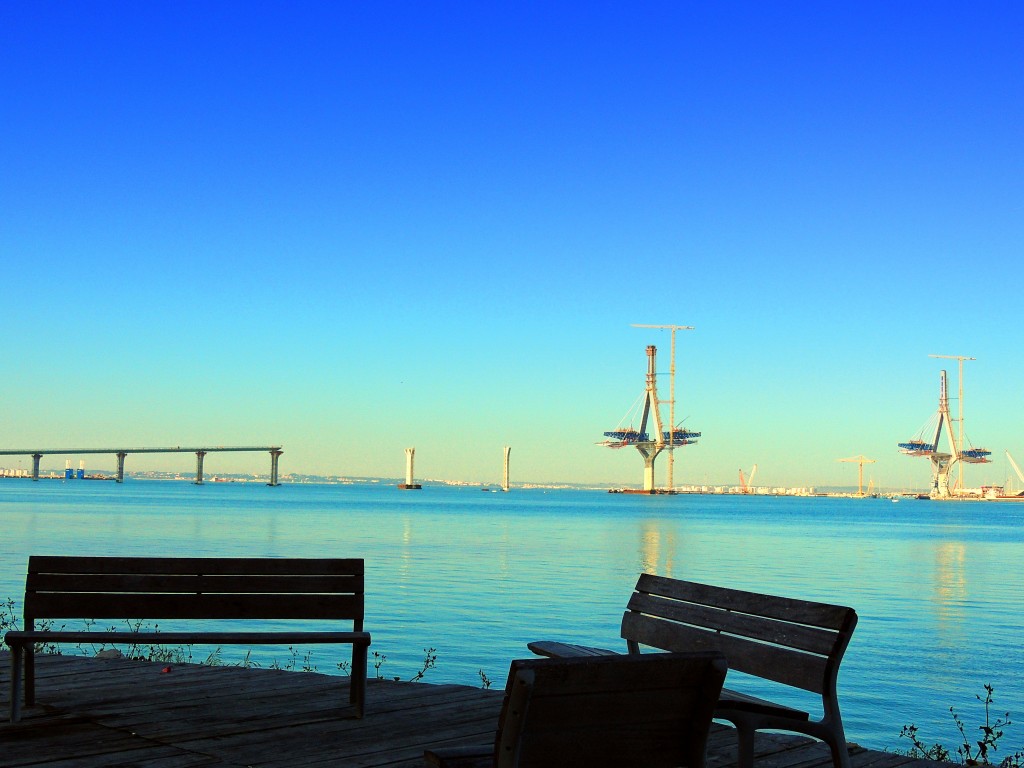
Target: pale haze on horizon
[{"x": 353, "y": 228}]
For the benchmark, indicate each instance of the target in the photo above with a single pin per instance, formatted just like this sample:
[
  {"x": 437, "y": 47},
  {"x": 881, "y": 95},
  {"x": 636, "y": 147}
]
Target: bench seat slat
[
  {"x": 782, "y": 665},
  {"x": 248, "y": 566},
  {"x": 799, "y": 636},
  {"x": 191, "y": 582},
  {"x": 771, "y": 606},
  {"x": 188, "y": 606}
]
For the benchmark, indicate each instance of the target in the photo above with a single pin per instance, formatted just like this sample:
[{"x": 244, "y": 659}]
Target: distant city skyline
[{"x": 351, "y": 229}]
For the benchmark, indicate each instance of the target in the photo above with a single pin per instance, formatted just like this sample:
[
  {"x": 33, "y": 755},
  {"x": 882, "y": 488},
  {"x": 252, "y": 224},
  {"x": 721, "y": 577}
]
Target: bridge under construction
[
  {"x": 121, "y": 453},
  {"x": 926, "y": 442},
  {"x": 638, "y": 436}
]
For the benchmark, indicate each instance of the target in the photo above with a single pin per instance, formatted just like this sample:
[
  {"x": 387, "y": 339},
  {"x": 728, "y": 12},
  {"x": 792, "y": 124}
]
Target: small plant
[
  {"x": 485, "y": 681},
  {"x": 8, "y": 618},
  {"x": 970, "y": 753},
  {"x": 378, "y": 662},
  {"x": 919, "y": 749},
  {"x": 379, "y": 659},
  {"x": 180, "y": 654},
  {"x": 991, "y": 733},
  {"x": 45, "y": 646},
  {"x": 247, "y": 662},
  {"x": 429, "y": 662},
  {"x": 294, "y": 663}
]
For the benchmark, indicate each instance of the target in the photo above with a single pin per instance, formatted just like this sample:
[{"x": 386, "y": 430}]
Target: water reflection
[
  {"x": 950, "y": 591},
  {"x": 657, "y": 552}
]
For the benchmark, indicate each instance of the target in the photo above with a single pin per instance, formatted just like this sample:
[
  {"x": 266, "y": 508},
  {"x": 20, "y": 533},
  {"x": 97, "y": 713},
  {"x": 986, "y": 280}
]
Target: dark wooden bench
[
  {"x": 651, "y": 710},
  {"x": 190, "y": 588},
  {"x": 784, "y": 640}
]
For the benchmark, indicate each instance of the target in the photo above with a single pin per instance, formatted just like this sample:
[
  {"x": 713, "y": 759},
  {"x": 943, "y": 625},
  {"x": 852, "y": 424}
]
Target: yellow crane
[{"x": 861, "y": 461}]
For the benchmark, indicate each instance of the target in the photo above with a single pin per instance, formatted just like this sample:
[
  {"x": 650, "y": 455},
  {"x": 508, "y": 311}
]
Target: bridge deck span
[{"x": 200, "y": 452}]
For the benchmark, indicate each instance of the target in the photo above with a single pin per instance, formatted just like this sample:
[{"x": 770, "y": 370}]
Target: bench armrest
[{"x": 554, "y": 649}]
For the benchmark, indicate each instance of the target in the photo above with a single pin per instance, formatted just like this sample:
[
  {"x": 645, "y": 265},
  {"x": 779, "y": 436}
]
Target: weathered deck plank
[{"x": 106, "y": 712}]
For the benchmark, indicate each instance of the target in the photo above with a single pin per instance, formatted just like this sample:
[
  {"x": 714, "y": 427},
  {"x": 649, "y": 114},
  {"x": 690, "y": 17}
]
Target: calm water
[{"x": 938, "y": 587}]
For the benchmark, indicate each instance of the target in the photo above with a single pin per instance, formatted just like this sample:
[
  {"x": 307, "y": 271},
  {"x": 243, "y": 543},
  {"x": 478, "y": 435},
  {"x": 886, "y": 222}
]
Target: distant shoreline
[{"x": 686, "y": 490}]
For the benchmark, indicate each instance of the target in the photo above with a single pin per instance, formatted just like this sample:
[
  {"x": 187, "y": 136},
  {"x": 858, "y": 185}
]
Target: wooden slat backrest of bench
[
  {"x": 195, "y": 588},
  {"x": 653, "y": 709},
  {"x": 794, "y": 642}
]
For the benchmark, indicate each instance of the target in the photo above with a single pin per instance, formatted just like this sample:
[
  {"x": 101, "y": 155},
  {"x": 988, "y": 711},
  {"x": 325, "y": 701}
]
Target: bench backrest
[
  {"x": 653, "y": 710},
  {"x": 194, "y": 588},
  {"x": 789, "y": 641}
]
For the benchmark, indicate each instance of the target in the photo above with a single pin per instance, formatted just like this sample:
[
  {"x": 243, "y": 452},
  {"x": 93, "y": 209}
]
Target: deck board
[{"x": 115, "y": 712}]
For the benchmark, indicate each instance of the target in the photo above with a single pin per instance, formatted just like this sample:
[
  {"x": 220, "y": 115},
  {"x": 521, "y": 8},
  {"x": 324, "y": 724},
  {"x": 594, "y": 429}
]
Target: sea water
[{"x": 475, "y": 576}]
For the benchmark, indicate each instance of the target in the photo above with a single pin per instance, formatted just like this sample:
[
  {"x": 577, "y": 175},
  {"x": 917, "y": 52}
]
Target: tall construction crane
[
  {"x": 746, "y": 484},
  {"x": 861, "y": 461},
  {"x": 670, "y": 480}
]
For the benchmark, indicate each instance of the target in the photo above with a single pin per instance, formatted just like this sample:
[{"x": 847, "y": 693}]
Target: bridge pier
[
  {"x": 35, "y": 465},
  {"x": 120, "y": 466},
  {"x": 274, "y": 456},
  {"x": 200, "y": 455},
  {"x": 409, "y": 484}
]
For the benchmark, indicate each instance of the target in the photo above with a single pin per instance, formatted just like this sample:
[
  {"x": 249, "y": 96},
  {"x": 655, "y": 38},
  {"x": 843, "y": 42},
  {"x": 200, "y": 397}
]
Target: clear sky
[{"x": 349, "y": 228}]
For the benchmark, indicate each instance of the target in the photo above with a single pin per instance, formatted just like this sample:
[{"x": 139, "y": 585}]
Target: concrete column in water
[
  {"x": 649, "y": 470},
  {"x": 35, "y": 465},
  {"x": 120, "y": 466},
  {"x": 409, "y": 484},
  {"x": 650, "y": 452},
  {"x": 200, "y": 455},
  {"x": 274, "y": 456},
  {"x": 504, "y": 479}
]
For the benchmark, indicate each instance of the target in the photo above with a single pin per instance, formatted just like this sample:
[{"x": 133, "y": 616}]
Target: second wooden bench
[{"x": 794, "y": 642}]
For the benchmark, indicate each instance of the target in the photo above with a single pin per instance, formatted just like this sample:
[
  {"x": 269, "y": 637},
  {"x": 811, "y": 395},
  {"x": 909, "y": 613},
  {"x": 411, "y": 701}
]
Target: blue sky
[{"x": 352, "y": 228}]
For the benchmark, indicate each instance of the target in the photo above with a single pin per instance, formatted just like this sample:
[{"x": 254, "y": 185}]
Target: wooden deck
[{"x": 113, "y": 712}]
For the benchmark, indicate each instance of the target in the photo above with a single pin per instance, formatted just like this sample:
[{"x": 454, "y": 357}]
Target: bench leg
[
  {"x": 744, "y": 746},
  {"x": 17, "y": 654},
  {"x": 840, "y": 751},
  {"x": 30, "y": 675},
  {"x": 357, "y": 682}
]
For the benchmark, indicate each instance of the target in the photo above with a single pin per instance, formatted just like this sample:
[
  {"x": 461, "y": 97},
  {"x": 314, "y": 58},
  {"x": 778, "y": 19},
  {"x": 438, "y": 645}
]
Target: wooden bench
[
  {"x": 793, "y": 642},
  {"x": 653, "y": 709},
  {"x": 190, "y": 588}
]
